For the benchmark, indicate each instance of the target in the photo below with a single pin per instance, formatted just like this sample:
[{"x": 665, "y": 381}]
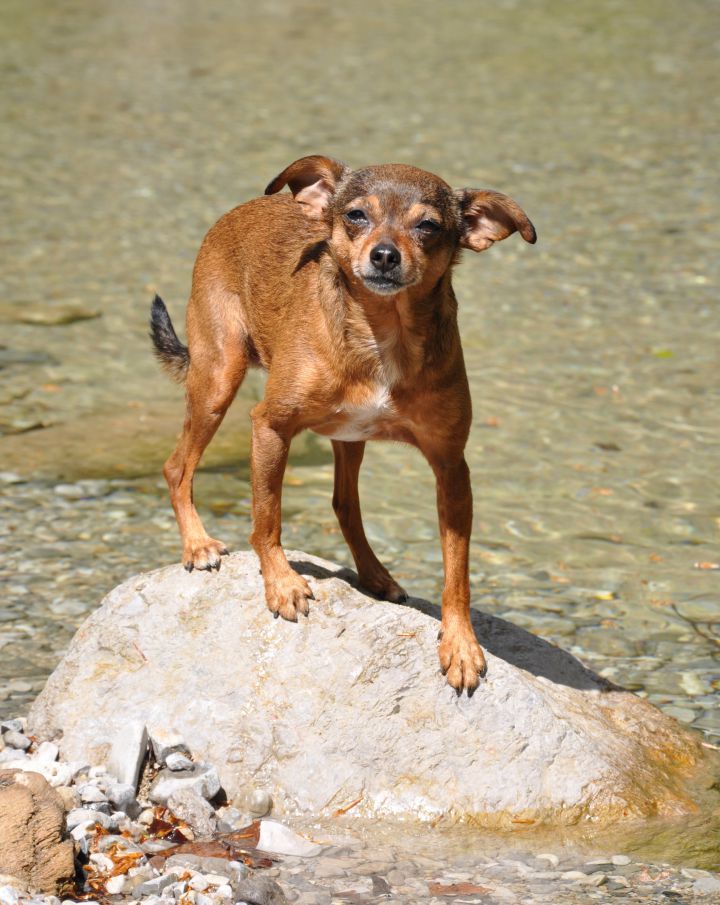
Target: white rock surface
[{"x": 348, "y": 707}]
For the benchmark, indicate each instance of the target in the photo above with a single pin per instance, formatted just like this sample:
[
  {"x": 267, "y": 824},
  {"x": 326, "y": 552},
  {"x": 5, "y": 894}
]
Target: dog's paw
[
  {"x": 461, "y": 658},
  {"x": 288, "y": 596},
  {"x": 383, "y": 585},
  {"x": 204, "y": 554}
]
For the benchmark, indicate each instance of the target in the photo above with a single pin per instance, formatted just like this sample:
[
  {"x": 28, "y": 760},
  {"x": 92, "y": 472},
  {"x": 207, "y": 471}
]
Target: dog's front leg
[
  {"x": 286, "y": 592},
  {"x": 461, "y": 657}
]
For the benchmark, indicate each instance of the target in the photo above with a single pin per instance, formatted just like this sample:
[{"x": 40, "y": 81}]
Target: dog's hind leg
[
  {"x": 372, "y": 574},
  {"x": 216, "y": 370}
]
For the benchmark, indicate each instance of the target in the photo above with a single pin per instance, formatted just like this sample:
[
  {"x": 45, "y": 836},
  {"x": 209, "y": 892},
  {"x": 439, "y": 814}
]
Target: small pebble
[
  {"x": 15, "y": 739},
  {"x": 14, "y": 725},
  {"x": 176, "y": 761},
  {"x": 115, "y": 885}
]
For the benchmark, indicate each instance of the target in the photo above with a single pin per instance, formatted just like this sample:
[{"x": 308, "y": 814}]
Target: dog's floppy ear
[
  {"x": 488, "y": 217},
  {"x": 312, "y": 180}
]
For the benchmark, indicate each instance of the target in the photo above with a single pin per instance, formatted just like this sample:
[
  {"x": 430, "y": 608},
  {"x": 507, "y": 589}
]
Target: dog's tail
[{"x": 169, "y": 351}]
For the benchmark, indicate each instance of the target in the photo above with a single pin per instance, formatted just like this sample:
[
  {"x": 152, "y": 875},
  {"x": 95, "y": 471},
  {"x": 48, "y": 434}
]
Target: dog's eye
[
  {"x": 429, "y": 226},
  {"x": 357, "y": 217}
]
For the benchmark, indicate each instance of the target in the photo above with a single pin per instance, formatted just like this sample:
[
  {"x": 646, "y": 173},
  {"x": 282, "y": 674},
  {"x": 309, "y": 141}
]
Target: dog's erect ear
[
  {"x": 312, "y": 180},
  {"x": 489, "y": 217}
]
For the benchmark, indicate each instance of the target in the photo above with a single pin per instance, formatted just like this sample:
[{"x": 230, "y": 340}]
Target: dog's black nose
[{"x": 384, "y": 257}]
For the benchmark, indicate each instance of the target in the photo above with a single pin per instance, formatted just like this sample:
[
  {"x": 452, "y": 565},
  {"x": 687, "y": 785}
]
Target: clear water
[{"x": 593, "y": 356}]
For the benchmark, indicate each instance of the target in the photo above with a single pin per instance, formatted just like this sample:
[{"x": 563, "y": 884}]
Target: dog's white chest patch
[{"x": 360, "y": 420}]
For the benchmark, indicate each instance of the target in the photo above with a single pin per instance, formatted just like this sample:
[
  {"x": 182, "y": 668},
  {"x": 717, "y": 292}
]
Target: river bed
[{"x": 593, "y": 356}]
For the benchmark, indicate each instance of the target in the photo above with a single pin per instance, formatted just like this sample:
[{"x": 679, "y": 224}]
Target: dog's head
[{"x": 394, "y": 226}]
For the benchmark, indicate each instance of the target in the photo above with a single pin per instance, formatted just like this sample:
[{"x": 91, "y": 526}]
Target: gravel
[{"x": 149, "y": 859}]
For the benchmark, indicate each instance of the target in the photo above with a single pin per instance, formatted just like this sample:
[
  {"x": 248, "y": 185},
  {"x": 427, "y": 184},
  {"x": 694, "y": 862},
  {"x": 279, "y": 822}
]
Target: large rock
[
  {"x": 349, "y": 705},
  {"x": 32, "y": 817}
]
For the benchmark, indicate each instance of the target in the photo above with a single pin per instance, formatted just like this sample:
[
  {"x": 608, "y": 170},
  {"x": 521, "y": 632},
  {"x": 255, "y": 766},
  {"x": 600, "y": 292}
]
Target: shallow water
[{"x": 592, "y": 356}]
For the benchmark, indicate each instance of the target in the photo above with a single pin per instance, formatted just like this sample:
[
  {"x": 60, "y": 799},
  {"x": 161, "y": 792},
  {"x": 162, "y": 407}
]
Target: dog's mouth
[{"x": 382, "y": 284}]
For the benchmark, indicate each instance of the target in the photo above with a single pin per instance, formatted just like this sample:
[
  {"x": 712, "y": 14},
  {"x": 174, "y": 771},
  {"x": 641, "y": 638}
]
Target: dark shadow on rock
[{"x": 501, "y": 638}]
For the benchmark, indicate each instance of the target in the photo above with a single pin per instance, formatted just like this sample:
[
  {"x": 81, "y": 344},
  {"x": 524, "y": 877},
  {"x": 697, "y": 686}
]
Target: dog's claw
[
  {"x": 461, "y": 658},
  {"x": 204, "y": 555},
  {"x": 287, "y": 596}
]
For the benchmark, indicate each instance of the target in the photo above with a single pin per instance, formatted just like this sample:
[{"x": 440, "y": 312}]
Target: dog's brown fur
[{"x": 354, "y": 350}]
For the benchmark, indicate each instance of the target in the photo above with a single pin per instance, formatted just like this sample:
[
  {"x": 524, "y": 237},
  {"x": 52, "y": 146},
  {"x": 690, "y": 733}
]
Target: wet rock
[
  {"x": 47, "y": 315},
  {"x": 603, "y": 754},
  {"x": 187, "y": 805},
  {"x": 707, "y": 885},
  {"x": 231, "y": 819},
  {"x": 31, "y": 823},
  {"x": 274, "y": 837},
  {"x": 256, "y": 802},
  {"x": 203, "y": 779},
  {"x": 259, "y": 891}
]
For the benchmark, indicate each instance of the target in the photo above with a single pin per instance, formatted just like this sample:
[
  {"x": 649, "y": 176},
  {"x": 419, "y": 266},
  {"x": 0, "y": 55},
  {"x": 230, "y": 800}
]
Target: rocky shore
[{"x": 175, "y": 838}]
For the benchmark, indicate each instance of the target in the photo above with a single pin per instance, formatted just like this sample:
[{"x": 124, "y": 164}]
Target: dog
[{"x": 341, "y": 290}]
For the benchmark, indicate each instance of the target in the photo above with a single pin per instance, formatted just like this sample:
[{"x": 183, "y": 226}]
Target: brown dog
[{"x": 342, "y": 291}]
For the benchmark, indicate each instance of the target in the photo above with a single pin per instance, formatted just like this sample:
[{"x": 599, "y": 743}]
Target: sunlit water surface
[{"x": 593, "y": 356}]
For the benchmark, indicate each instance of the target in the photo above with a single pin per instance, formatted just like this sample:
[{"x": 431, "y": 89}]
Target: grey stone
[
  {"x": 47, "y": 752},
  {"x": 78, "y": 816},
  {"x": 14, "y": 725},
  {"x": 13, "y": 757},
  {"x": 155, "y": 886},
  {"x": 164, "y": 740},
  {"x": 180, "y": 862},
  {"x": 16, "y": 740},
  {"x": 231, "y": 819},
  {"x": 128, "y": 748},
  {"x": 153, "y": 846},
  {"x": 122, "y": 796},
  {"x": 203, "y": 779},
  {"x": 121, "y": 843},
  {"x": 259, "y": 891},
  {"x": 187, "y": 805},
  {"x": 176, "y": 761},
  {"x": 216, "y": 866},
  {"x": 91, "y": 794},
  {"x": 604, "y": 754}
]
